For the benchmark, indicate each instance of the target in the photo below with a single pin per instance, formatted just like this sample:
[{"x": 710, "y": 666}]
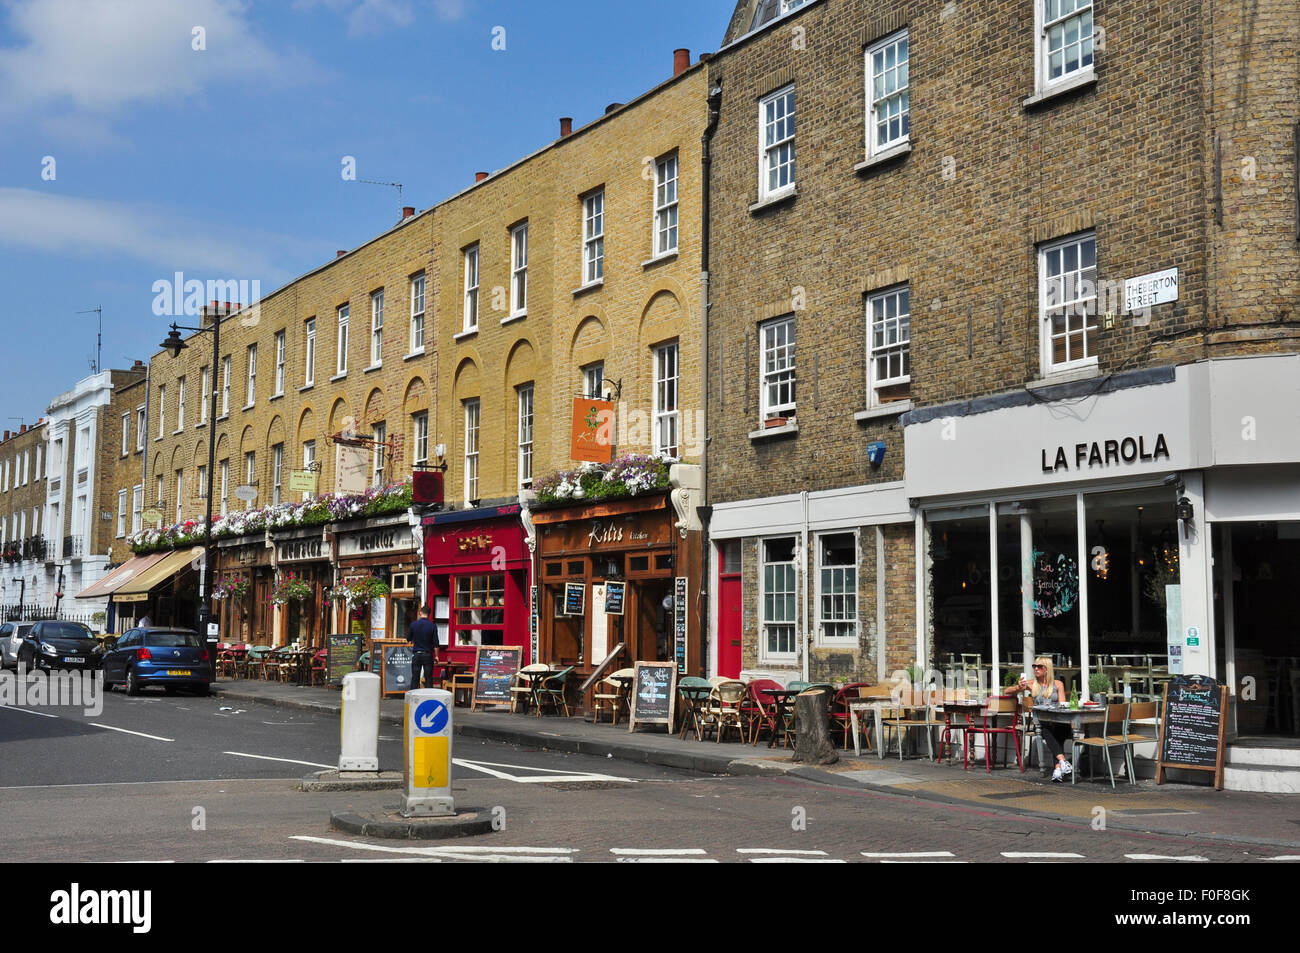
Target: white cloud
[
  {"x": 95, "y": 58},
  {"x": 449, "y": 9},
  {"x": 376, "y": 16},
  {"x": 79, "y": 227}
]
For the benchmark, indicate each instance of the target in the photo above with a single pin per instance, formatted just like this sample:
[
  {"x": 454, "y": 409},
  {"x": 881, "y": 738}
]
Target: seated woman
[{"x": 1047, "y": 689}]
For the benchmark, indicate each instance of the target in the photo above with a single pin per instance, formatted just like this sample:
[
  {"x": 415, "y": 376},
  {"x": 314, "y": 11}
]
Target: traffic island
[
  {"x": 335, "y": 780},
  {"x": 391, "y": 825}
]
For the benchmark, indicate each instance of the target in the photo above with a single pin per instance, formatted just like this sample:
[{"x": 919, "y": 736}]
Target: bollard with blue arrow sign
[{"x": 427, "y": 737}]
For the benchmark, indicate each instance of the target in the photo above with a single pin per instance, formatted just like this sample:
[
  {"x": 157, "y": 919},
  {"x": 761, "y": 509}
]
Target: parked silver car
[{"x": 11, "y": 637}]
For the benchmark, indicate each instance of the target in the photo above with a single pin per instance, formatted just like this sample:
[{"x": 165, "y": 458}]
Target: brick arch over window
[
  {"x": 468, "y": 380},
  {"x": 415, "y": 398},
  {"x": 275, "y": 431},
  {"x": 306, "y": 425},
  {"x": 662, "y": 318},
  {"x": 341, "y": 417},
  {"x": 376, "y": 407},
  {"x": 223, "y": 447},
  {"x": 177, "y": 459},
  {"x": 247, "y": 442},
  {"x": 521, "y": 363},
  {"x": 200, "y": 456},
  {"x": 590, "y": 342}
]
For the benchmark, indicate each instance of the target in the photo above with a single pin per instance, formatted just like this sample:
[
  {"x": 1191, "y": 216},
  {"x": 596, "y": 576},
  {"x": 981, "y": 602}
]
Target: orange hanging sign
[{"x": 592, "y": 436}]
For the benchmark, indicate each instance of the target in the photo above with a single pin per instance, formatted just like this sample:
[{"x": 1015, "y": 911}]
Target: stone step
[
  {"x": 1264, "y": 778},
  {"x": 1238, "y": 755}
]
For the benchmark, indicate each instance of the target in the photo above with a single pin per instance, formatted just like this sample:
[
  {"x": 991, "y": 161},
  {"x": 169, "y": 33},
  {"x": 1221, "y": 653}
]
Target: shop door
[
  {"x": 653, "y": 637},
  {"x": 730, "y": 616}
]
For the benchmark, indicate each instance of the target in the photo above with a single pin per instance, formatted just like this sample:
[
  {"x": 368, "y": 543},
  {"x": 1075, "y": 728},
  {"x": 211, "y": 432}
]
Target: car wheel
[{"x": 132, "y": 683}]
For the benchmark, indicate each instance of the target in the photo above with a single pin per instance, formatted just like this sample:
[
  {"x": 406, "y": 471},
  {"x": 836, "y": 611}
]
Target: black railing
[
  {"x": 30, "y": 613},
  {"x": 67, "y": 547},
  {"x": 34, "y": 547}
]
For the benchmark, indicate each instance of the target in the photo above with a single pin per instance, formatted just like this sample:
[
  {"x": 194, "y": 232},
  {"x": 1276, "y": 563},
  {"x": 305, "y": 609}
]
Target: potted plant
[
  {"x": 1098, "y": 687},
  {"x": 771, "y": 422}
]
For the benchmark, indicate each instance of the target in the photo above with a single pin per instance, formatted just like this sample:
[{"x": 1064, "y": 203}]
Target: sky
[{"x": 139, "y": 138}]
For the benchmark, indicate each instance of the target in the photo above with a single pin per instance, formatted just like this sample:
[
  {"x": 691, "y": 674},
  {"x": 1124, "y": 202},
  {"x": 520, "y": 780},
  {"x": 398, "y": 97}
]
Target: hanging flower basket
[
  {"x": 290, "y": 589},
  {"x": 231, "y": 587},
  {"x": 359, "y": 592}
]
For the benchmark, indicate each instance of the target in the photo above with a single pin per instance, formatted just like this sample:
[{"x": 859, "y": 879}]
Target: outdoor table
[
  {"x": 540, "y": 672},
  {"x": 694, "y": 698},
  {"x": 1076, "y": 718},
  {"x": 783, "y": 699},
  {"x": 863, "y": 704},
  {"x": 624, "y": 683}
]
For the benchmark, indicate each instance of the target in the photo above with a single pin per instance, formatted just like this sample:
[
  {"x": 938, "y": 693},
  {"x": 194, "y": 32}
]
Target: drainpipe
[
  {"x": 803, "y": 582},
  {"x": 706, "y": 595}
]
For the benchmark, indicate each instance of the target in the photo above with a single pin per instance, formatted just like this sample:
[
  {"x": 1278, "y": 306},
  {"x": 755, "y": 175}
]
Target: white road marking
[
  {"x": 548, "y": 775},
  {"x": 909, "y": 854},
  {"x": 658, "y": 851},
  {"x": 498, "y": 855},
  {"x": 259, "y": 861},
  {"x": 777, "y": 850},
  {"x": 111, "y": 784},
  {"x": 1040, "y": 855},
  {"x": 921, "y": 861},
  {"x": 796, "y": 860},
  {"x": 128, "y": 731},
  {"x": 27, "y": 711},
  {"x": 263, "y": 757},
  {"x": 1193, "y": 858},
  {"x": 391, "y": 860},
  {"x": 667, "y": 860},
  {"x": 1283, "y": 857}
]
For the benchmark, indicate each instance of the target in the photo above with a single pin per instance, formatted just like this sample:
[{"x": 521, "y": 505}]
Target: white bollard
[
  {"x": 359, "y": 723},
  {"x": 426, "y": 741}
]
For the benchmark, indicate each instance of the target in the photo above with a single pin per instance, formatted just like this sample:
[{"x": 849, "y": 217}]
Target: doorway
[
  {"x": 654, "y": 613},
  {"x": 730, "y": 609}
]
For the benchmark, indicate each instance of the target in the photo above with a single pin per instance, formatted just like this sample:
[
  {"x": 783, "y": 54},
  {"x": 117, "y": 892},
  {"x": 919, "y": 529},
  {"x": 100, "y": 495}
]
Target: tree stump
[{"x": 812, "y": 740}]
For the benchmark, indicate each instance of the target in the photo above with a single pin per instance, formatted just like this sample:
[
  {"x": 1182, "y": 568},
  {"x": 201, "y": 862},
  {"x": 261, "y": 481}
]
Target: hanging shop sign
[
  {"x": 591, "y": 438},
  {"x": 375, "y": 542},
  {"x": 301, "y": 550},
  {"x": 303, "y": 481}
]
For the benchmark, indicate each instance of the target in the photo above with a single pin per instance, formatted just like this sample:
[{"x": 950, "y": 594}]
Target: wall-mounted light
[{"x": 1184, "y": 510}]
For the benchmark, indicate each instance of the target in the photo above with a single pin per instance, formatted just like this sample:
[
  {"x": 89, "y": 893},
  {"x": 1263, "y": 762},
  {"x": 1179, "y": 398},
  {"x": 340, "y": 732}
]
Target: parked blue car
[{"x": 172, "y": 658}]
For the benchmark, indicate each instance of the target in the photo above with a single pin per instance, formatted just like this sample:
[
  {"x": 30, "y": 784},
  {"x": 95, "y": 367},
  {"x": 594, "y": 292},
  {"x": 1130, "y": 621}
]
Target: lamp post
[{"x": 174, "y": 345}]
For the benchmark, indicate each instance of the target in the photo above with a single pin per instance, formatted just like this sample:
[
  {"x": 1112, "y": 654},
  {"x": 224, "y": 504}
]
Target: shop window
[
  {"x": 480, "y": 609},
  {"x": 639, "y": 564},
  {"x": 577, "y": 567},
  {"x": 404, "y": 581},
  {"x": 779, "y": 598},
  {"x": 664, "y": 562},
  {"x": 837, "y": 587},
  {"x": 555, "y": 569}
]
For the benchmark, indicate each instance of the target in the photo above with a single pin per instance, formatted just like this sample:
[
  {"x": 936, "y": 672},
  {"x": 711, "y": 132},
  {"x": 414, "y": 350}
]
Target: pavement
[{"x": 1194, "y": 810}]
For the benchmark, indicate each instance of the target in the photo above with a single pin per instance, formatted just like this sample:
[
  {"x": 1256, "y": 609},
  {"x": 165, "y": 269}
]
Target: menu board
[
  {"x": 395, "y": 665},
  {"x": 679, "y": 623},
  {"x": 342, "y": 653},
  {"x": 574, "y": 598},
  {"x": 1191, "y": 726},
  {"x": 654, "y": 693},
  {"x": 494, "y": 668},
  {"x": 614, "y": 596}
]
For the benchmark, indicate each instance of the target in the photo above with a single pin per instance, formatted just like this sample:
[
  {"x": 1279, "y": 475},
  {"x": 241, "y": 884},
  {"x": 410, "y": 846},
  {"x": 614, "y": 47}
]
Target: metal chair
[
  {"x": 904, "y": 718},
  {"x": 725, "y": 708},
  {"x": 553, "y": 690},
  {"x": 1117, "y": 717},
  {"x": 611, "y": 695}
]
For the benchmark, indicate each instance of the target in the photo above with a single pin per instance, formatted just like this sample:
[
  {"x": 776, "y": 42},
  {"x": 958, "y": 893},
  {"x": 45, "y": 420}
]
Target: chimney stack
[
  {"x": 566, "y": 126},
  {"x": 6, "y": 434},
  {"x": 480, "y": 176},
  {"x": 340, "y": 253},
  {"x": 407, "y": 211},
  {"x": 681, "y": 61}
]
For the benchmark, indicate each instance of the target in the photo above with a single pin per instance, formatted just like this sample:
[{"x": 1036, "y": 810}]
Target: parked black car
[
  {"x": 172, "y": 658},
  {"x": 66, "y": 645}
]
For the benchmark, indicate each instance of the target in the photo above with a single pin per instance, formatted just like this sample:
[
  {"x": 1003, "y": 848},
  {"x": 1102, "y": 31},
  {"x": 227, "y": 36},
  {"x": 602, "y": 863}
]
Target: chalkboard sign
[
  {"x": 654, "y": 694},
  {"x": 614, "y": 593},
  {"x": 575, "y": 595},
  {"x": 494, "y": 668},
  {"x": 342, "y": 653},
  {"x": 395, "y": 665},
  {"x": 1192, "y": 726}
]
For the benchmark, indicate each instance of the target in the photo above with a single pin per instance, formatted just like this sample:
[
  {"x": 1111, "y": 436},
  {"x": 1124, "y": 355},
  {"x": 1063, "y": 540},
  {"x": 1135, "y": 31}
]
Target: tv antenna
[
  {"x": 395, "y": 185},
  {"x": 99, "y": 337}
]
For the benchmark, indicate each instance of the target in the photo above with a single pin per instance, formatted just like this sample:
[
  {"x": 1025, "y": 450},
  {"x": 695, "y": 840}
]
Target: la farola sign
[{"x": 1106, "y": 453}]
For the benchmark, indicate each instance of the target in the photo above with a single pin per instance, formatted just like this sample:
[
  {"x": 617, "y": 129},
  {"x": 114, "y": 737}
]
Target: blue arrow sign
[{"x": 431, "y": 717}]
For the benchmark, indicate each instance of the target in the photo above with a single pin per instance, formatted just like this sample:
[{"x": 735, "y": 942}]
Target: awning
[
  {"x": 120, "y": 576},
  {"x": 137, "y": 588}
]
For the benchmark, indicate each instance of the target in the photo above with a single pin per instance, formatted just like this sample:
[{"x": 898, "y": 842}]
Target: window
[
  {"x": 279, "y": 363},
  {"x": 666, "y": 414},
  {"x": 887, "y": 94},
  {"x": 205, "y": 391},
  {"x": 480, "y": 608},
  {"x": 666, "y": 206},
  {"x": 526, "y": 435},
  {"x": 162, "y": 408},
  {"x": 252, "y": 375},
  {"x": 776, "y": 143},
  {"x": 309, "y": 355},
  {"x": 417, "y": 313},
  {"x": 126, "y": 434},
  {"x": 38, "y": 463},
  {"x": 889, "y": 335},
  {"x": 377, "y": 328},
  {"x": 342, "y": 365},
  {"x": 471, "y": 290},
  {"x": 471, "y": 450},
  {"x": 593, "y": 378},
  {"x": 137, "y": 507},
  {"x": 308, "y": 463},
  {"x": 380, "y": 433},
  {"x": 180, "y": 493},
  {"x": 225, "y": 385},
  {"x": 277, "y": 471},
  {"x": 837, "y": 586},
  {"x": 121, "y": 513},
  {"x": 250, "y": 473},
  {"x": 139, "y": 428},
  {"x": 420, "y": 422},
  {"x": 593, "y": 238},
  {"x": 779, "y": 618},
  {"x": 777, "y": 363},
  {"x": 519, "y": 269},
  {"x": 160, "y": 492},
  {"x": 203, "y": 482},
  {"x": 180, "y": 404},
  {"x": 1064, "y": 40},
  {"x": 225, "y": 486},
  {"x": 1068, "y": 292}
]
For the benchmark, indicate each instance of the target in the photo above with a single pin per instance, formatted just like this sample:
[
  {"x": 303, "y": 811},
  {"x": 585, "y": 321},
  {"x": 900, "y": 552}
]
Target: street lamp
[{"x": 173, "y": 345}]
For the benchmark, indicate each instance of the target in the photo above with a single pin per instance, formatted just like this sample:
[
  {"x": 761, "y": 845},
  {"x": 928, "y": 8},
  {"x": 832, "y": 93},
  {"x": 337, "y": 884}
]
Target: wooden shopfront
[
  {"x": 248, "y": 618},
  {"x": 478, "y": 579},
  {"x": 306, "y": 554},
  {"x": 614, "y": 572},
  {"x": 384, "y": 547}
]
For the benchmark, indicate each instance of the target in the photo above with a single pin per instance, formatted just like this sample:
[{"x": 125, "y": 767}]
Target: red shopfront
[{"x": 478, "y": 579}]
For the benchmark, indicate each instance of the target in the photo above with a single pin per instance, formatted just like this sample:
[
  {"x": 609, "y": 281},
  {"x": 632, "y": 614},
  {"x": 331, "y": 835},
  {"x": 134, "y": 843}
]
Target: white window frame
[
  {"x": 1071, "y": 299},
  {"x": 667, "y": 406},
  {"x": 771, "y": 151},
  {"x": 251, "y": 394},
  {"x": 308, "y": 461},
  {"x": 225, "y": 485},
  {"x": 140, "y": 426},
  {"x": 417, "y": 313},
  {"x": 473, "y": 422},
  {"x": 471, "y": 260},
  {"x": 279, "y": 364},
  {"x": 277, "y": 472},
  {"x": 899, "y": 325},
  {"x": 226, "y": 370},
  {"x": 524, "y": 467},
  {"x": 593, "y": 381},
  {"x": 161, "y": 492},
  {"x": 771, "y": 347},
  {"x": 121, "y": 513},
  {"x": 180, "y": 493},
  {"x": 203, "y": 481},
  {"x": 380, "y": 459},
  {"x": 309, "y": 354},
  {"x": 341, "y": 363},
  {"x": 1046, "y": 24},
  {"x": 848, "y": 594},
  {"x": 766, "y": 619},
  {"x": 593, "y": 238},
  {"x": 205, "y": 380},
  {"x": 665, "y": 214},
  {"x": 250, "y": 473},
  {"x": 162, "y": 410},
  {"x": 180, "y": 403},
  {"x": 137, "y": 507},
  {"x": 878, "y": 68},
  {"x": 420, "y": 438},
  {"x": 126, "y": 434},
  {"x": 377, "y": 328},
  {"x": 519, "y": 270}
]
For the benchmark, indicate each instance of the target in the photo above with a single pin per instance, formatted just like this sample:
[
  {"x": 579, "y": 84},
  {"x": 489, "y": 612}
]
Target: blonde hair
[{"x": 1048, "y": 671}]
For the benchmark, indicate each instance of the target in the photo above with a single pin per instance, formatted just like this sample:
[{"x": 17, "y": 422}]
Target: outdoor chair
[
  {"x": 611, "y": 695},
  {"x": 839, "y": 714},
  {"x": 1116, "y": 718},
  {"x": 521, "y": 685},
  {"x": 761, "y": 708},
  {"x": 725, "y": 706},
  {"x": 915, "y": 710},
  {"x": 694, "y": 692},
  {"x": 319, "y": 668},
  {"x": 1146, "y": 715},
  {"x": 992, "y": 726},
  {"x": 553, "y": 690}
]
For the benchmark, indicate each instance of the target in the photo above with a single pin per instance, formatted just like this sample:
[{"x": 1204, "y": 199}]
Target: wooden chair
[
  {"x": 1116, "y": 718},
  {"x": 226, "y": 663},
  {"x": 915, "y": 710},
  {"x": 611, "y": 695},
  {"x": 464, "y": 682},
  {"x": 553, "y": 690},
  {"x": 1145, "y": 715},
  {"x": 319, "y": 668}
]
